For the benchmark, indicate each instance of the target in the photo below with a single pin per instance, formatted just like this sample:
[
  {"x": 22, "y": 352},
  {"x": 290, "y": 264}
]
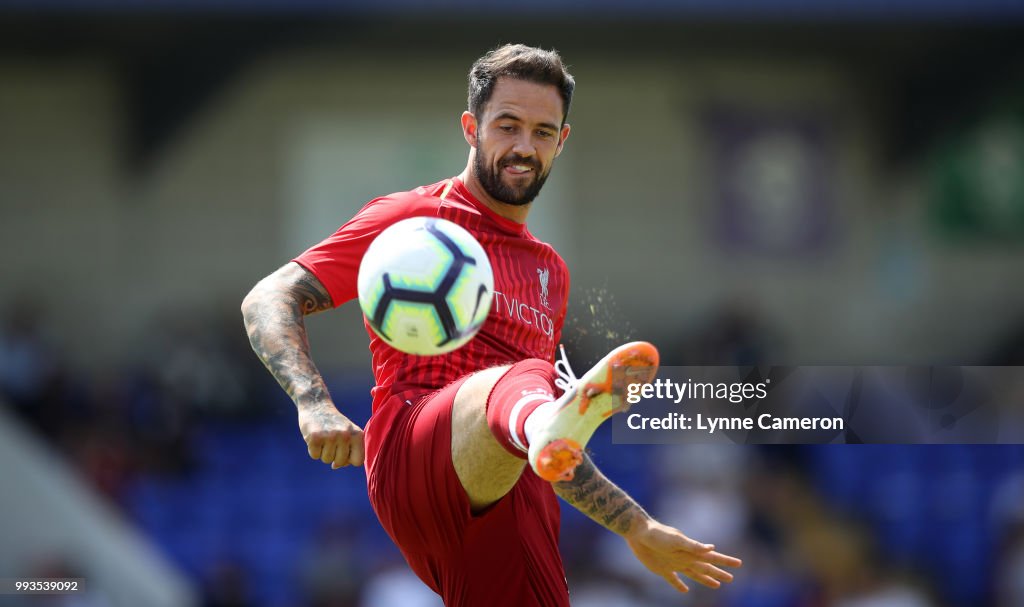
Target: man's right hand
[
  {"x": 273, "y": 313},
  {"x": 330, "y": 436}
]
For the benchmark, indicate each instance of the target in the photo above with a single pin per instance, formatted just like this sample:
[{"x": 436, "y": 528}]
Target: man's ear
[
  {"x": 469, "y": 128},
  {"x": 562, "y": 136}
]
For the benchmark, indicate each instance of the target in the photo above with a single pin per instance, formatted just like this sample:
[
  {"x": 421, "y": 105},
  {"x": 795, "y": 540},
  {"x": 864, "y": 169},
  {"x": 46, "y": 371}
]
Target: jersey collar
[{"x": 461, "y": 191}]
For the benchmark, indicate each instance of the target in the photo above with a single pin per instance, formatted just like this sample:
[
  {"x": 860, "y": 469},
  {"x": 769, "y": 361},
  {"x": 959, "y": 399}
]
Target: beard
[{"x": 499, "y": 190}]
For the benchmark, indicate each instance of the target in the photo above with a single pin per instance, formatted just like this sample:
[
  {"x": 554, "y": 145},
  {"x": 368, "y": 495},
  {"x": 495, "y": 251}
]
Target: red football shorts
[{"x": 505, "y": 556}]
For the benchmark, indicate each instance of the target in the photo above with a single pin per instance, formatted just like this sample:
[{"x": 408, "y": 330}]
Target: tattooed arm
[
  {"x": 662, "y": 549},
  {"x": 274, "y": 314},
  {"x": 593, "y": 494}
]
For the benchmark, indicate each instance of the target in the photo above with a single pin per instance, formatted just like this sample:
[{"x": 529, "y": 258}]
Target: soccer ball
[{"x": 425, "y": 286}]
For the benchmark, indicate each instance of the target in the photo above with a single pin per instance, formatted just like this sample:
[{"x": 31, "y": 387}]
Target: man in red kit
[{"x": 449, "y": 438}]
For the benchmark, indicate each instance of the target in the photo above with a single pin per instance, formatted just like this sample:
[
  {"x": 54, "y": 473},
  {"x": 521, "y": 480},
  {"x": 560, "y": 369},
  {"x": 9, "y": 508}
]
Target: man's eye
[
  {"x": 506, "y": 128},
  {"x": 545, "y": 134}
]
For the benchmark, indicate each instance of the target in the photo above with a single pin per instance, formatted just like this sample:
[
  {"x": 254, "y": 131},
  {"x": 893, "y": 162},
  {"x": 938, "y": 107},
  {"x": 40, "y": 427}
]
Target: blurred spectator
[
  {"x": 1010, "y": 569},
  {"x": 702, "y": 491},
  {"x": 734, "y": 333},
  {"x": 105, "y": 458},
  {"x": 594, "y": 589},
  {"x": 892, "y": 594},
  {"x": 160, "y": 422},
  {"x": 600, "y": 569},
  {"x": 837, "y": 558},
  {"x": 1008, "y": 525},
  {"x": 60, "y": 568},
  {"x": 31, "y": 375},
  {"x": 193, "y": 367},
  {"x": 1009, "y": 347},
  {"x": 396, "y": 584},
  {"x": 228, "y": 586},
  {"x": 331, "y": 573}
]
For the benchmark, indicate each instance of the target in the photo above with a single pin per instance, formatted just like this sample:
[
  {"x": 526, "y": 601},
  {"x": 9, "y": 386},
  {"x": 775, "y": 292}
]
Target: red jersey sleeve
[{"x": 335, "y": 260}]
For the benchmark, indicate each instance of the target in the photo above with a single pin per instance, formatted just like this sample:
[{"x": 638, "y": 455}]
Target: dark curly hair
[{"x": 522, "y": 63}]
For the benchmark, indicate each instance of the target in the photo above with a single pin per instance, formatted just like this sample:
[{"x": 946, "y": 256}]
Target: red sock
[{"x": 524, "y": 387}]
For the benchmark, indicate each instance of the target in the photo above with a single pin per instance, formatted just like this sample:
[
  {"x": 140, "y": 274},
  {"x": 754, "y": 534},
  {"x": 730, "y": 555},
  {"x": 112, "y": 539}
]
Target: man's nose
[{"x": 524, "y": 146}]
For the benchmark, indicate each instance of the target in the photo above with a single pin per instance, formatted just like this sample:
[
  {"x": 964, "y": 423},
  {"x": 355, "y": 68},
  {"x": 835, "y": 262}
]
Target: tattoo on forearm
[
  {"x": 593, "y": 494},
  {"x": 274, "y": 315}
]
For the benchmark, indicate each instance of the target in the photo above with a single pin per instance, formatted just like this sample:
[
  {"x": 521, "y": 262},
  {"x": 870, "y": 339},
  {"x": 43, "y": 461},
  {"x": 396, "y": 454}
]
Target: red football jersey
[
  {"x": 508, "y": 555},
  {"x": 531, "y": 287}
]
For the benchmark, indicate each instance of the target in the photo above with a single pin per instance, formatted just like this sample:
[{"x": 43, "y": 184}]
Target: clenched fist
[{"x": 330, "y": 436}]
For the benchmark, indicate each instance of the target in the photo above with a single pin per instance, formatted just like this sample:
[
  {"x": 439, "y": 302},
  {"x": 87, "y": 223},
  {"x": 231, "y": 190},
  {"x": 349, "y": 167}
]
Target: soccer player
[{"x": 447, "y": 443}]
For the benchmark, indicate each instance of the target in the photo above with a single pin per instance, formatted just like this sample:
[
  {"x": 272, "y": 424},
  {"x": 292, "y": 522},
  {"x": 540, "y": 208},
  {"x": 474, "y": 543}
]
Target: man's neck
[{"x": 516, "y": 213}]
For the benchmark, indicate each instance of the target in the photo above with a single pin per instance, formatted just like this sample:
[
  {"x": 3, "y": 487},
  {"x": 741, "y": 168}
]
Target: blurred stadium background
[{"x": 778, "y": 182}]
